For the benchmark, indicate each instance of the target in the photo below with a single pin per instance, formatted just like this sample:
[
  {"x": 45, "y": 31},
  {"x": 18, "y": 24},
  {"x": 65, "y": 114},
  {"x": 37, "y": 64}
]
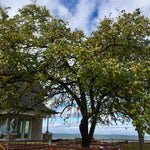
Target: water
[{"x": 100, "y": 137}]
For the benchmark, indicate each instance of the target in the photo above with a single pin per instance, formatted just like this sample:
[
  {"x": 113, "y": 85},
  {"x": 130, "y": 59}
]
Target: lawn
[{"x": 134, "y": 146}]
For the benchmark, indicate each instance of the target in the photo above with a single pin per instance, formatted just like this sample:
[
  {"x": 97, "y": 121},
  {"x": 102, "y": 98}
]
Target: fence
[
  {"x": 79, "y": 148},
  {"x": 45, "y": 146},
  {"x": 41, "y": 147},
  {"x": 23, "y": 146}
]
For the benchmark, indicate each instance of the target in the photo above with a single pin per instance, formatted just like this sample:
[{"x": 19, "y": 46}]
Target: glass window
[
  {"x": 23, "y": 127},
  {"x": 19, "y": 128},
  {"x": 3, "y": 128},
  {"x": 26, "y": 129}
]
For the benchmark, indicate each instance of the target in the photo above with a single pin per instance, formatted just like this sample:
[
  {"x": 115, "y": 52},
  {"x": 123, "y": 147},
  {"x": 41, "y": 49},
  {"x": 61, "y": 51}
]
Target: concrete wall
[{"x": 36, "y": 129}]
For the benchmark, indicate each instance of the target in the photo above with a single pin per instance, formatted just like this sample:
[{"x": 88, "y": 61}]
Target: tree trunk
[
  {"x": 141, "y": 140},
  {"x": 84, "y": 132},
  {"x": 86, "y": 135}
]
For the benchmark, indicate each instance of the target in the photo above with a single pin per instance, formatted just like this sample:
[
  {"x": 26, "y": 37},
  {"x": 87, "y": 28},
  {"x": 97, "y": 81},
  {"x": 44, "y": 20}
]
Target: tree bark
[
  {"x": 141, "y": 140},
  {"x": 86, "y": 135},
  {"x": 84, "y": 132}
]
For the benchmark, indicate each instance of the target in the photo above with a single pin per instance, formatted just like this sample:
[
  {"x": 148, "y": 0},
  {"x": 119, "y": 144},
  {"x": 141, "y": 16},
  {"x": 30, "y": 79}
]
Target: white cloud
[
  {"x": 56, "y": 8},
  {"x": 14, "y": 4},
  {"x": 111, "y": 6},
  {"x": 84, "y": 10},
  {"x": 80, "y": 15},
  {"x": 80, "y": 18}
]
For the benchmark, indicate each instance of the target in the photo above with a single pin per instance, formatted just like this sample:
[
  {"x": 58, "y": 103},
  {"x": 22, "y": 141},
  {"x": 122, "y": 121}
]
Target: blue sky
[{"x": 84, "y": 15}]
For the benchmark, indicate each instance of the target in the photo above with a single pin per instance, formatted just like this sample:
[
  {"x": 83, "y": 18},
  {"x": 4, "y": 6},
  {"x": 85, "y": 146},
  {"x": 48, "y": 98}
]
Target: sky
[
  {"x": 84, "y": 15},
  {"x": 57, "y": 125}
]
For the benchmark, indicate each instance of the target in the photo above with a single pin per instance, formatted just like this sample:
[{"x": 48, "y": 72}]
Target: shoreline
[{"x": 103, "y": 138}]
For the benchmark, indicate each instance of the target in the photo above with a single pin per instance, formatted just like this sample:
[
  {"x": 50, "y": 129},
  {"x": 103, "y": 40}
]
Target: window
[
  {"x": 4, "y": 127},
  {"x": 23, "y": 128},
  {"x": 19, "y": 128},
  {"x": 26, "y": 129}
]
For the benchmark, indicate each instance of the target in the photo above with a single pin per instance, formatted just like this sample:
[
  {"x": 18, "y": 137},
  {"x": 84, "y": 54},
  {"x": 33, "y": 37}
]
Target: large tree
[
  {"x": 127, "y": 41},
  {"x": 95, "y": 74},
  {"x": 88, "y": 74}
]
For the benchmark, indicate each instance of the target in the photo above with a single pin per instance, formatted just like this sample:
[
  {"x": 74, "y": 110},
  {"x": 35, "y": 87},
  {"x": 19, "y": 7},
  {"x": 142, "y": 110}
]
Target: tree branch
[{"x": 75, "y": 97}]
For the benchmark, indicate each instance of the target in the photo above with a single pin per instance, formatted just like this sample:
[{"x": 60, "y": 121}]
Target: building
[{"x": 25, "y": 122}]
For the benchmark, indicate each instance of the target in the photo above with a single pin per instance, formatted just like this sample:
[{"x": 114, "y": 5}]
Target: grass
[{"x": 134, "y": 146}]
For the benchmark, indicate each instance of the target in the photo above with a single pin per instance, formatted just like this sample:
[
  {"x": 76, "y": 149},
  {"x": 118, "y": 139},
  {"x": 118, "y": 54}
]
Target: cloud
[
  {"x": 15, "y": 5},
  {"x": 83, "y": 14},
  {"x": 56, "y": 8},
  {"x": 78, "y": 16},
  {"x": 106, "y": 7},
  {"x": 81, "y": 19},
  {"x": 111, "y": 6}
]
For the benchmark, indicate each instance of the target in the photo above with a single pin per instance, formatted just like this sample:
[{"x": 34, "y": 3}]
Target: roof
[{"x": 31, "y": 101}]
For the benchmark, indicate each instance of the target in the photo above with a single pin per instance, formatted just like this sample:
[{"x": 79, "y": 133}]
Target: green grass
[{"x": 134, "y": 146}]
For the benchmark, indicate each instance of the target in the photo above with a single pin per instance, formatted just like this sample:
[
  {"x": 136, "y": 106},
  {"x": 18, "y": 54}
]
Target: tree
[
  {"x": 23, "y": 38},
  {"x": 88, "y": 74},
  {"x": 97, "y": 73},
  {"x": 126, "y": 39},
  {"x": 41, "y": 48},
  {"x": 136, "y": 104}
]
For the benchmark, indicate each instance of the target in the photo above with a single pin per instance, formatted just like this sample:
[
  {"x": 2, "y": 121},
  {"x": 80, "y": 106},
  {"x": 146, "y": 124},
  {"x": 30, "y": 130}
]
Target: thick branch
[
  {"x": 92, "y": 94},
  {"x": 83, "y": 105}
]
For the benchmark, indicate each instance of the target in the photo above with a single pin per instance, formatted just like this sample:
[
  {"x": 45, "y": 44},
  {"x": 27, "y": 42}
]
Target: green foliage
[{"x": 23, "y": 40}]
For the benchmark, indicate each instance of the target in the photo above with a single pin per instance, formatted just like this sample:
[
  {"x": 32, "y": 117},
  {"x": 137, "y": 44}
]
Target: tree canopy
[{"x": 98, "y": 75}]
